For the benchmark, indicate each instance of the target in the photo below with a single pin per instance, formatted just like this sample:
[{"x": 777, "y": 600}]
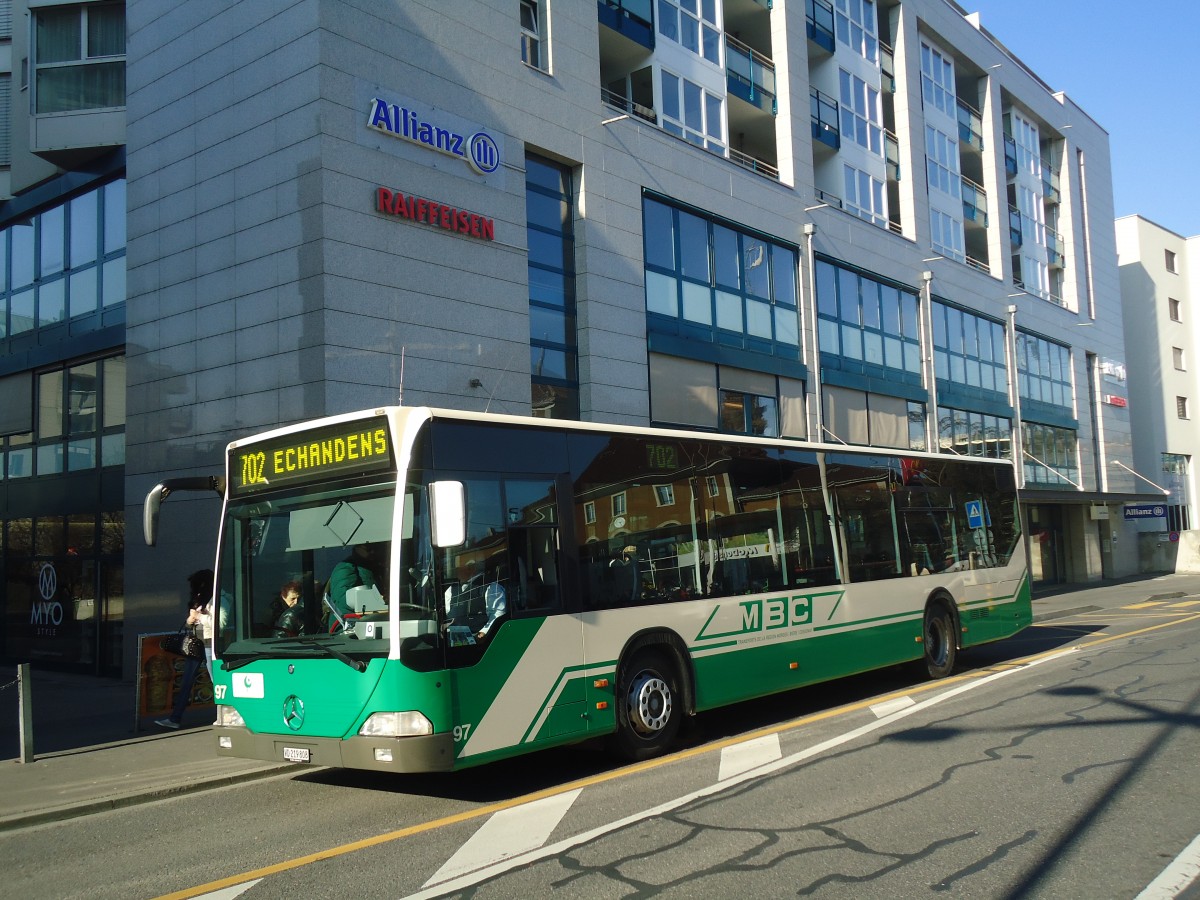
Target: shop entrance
[{"x": 1046, "y": 560}]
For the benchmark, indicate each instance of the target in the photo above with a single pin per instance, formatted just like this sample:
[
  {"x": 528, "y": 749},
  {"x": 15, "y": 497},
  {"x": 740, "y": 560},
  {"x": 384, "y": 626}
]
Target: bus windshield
[{"x": 306, "y": 572}]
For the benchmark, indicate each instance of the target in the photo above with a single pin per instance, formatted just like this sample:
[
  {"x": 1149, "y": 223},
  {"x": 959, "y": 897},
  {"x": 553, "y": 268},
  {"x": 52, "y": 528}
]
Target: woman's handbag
[{"x": 184, "y": 643}]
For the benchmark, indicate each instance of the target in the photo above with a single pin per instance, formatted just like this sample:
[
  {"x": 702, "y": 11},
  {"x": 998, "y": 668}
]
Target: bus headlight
[
  {"x": 396, "y": 724},
  {"x": 228, "y": 717}
]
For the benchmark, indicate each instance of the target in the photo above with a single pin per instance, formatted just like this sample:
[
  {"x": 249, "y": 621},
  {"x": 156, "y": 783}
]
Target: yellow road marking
[
  {"x": 1146, "y": 605},
  {"x": 468, "y": 815}
]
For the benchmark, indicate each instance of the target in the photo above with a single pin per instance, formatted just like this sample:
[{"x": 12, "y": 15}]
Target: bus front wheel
[
  {"x": 649, "y": 713},
  {"x": 941, "y": 646}
]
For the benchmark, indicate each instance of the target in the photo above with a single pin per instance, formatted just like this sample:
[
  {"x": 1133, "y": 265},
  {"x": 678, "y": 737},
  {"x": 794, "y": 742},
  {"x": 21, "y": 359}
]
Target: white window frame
[
  {"x": 533, "y": 40},
  {"x": 872, "y": 207},
  {"x": 694, "y": 29},
  {"x": 664, "y": 494},
  {"x": 937, "y": 80},
  {"x": 698, "y": 133},
  {"x": 854, "y": 25},
  {"x": 862, "y": 117}
]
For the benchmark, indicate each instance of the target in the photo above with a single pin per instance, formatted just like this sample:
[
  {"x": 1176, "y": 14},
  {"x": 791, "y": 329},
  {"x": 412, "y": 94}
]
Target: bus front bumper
[{"x": 425, "y": 753}]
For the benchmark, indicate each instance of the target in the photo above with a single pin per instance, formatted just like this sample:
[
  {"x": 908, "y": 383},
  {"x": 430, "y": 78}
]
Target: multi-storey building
[
  {"x": 859, "y": 221},
  {"x": 1161, "y": 327}
]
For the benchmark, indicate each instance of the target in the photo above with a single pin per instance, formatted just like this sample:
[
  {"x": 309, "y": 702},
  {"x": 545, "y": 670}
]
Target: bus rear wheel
[
  {"x": 941, "y": 646},
  {"x": 649, "y": 713}
]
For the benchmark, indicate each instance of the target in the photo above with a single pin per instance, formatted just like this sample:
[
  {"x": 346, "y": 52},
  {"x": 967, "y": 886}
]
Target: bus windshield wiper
[{"x": 357, "y": 664}]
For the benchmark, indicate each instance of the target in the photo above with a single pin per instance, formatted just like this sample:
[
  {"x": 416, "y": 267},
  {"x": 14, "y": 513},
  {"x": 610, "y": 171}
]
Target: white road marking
[
  {"x": 891, "y": 706},
  {"x": 547, "y": 852},
  {"x": 749, "y": 755},
  {"x": 230, "y": 893},
  {"x": 506, "y": 834},
  {"x": 1175, "y": 878}
]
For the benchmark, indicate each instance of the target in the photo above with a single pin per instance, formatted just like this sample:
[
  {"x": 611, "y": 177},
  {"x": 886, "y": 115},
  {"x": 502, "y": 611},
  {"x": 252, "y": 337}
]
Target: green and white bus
[{"x": 523, "y": 583}]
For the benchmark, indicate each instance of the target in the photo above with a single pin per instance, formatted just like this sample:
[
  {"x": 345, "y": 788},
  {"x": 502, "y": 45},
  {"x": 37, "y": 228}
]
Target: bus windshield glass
[{"x": 305, "y": 572}]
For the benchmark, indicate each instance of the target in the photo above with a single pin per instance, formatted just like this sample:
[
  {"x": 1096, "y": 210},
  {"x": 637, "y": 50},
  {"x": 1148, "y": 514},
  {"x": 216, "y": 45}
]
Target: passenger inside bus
[
  {"x": 290, "y": 621},
  {"x": 364, "y": 567}
]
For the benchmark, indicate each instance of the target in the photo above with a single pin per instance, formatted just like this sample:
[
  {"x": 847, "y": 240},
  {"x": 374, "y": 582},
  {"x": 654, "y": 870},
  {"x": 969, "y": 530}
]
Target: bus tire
[
  {"x": 649, "y": 705},
  {"x": 940, "y": 640}
]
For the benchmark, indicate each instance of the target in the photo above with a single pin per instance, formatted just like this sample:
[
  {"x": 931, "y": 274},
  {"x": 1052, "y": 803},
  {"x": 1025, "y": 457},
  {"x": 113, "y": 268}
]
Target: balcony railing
[
  {"x": 891, "y": 152},
  {"x": 974, "y": 200},
  {"x": 970, "y": 126},
  {"x": 1050, "y": 183},
  {"x": 1010, "y": 155},
  {"x": 820, "y": 23},
  {"x": 1015, "y": 232},
  {"x": 887, "y": 65},
  {"x": 616, "y": 101},
  {"x": 746, "y": 161},
  {"x": 751, "y": 75},
  {"x": 632, "y": 18},
  {"x": 824, "y": 110},
  {"x": 1055, "y": 248}
]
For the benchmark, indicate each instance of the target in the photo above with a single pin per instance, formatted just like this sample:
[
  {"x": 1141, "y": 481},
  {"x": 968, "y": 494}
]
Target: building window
[
  {"x": 714, "y": 487},
  {"x": 79, "y": 57},
  {"x": 618, "y": 504},
  {"x": 78, "y": 422},
  {"x": 589, "y": 513},
  {"x": 1170, "y": 260},
  {"x": 692, "y": 25},
  {"x": 1177, "y": 358},
  {"x": 867, "y": 323},
  {"x": 743, "y": 413},
  {"x": 532, "y": 51},
  {"x": 968, "y": 433},
  {"x": 969, "y": 349},
  {"x": 549, "y": 212},
  {"x": 854, "y": 24},
  {"x": 1174, "y": 310},
  {"x": 1044, "y": 369},
  {"x": 664, "y": 494},
  {"x": 5, "y": 120},
  {"x": 708, "y": 280},
  {"x": 941, "y": 154},
  {"x": 937, "y": 81},
  {"x": 1181, "y": 407},
  {"x": 916, "y": 425},
  {"x": 864, "y": 196},
  {"x": 692, "y": 113},
  {"x": 66, "y": 263},
  {"x": 861, "y": 118},
  {"x": 1052, "y": 455}
]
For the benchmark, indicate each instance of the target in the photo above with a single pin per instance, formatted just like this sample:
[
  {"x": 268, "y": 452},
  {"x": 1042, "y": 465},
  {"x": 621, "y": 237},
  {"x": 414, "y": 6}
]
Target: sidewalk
[{"x": 89, "y": 758}]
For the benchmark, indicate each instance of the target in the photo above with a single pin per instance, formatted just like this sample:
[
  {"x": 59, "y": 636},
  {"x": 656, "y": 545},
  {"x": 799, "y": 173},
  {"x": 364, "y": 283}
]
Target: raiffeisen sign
[{"x": 479, "y": 150}]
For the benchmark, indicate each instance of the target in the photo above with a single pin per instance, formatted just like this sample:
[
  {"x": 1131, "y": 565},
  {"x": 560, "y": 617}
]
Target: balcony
[
  {"x": 629, "y": 107},
  {"x": 891, "y": 152},
  {"x": 824, "y": 112},
  {"x": 750, "y": 75},
  {"x": 1015, "y": 232},
  {"x": 1055, "y": 249},
  {"x": 1051, "y": 192},
  {"x": 970, "y": 129},
  {"x": 820, "y": 23},
  {"x": 887, "y": 65},
  {"x": 633, "y": 19},
  {"x": 761, "y": 166},
  {"x": 974, "y": 201},
  {"x": 1010, "y": 156}
]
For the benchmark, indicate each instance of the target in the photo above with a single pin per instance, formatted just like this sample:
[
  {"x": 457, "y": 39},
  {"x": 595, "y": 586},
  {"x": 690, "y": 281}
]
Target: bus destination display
[{"x": 317, "y": 455}]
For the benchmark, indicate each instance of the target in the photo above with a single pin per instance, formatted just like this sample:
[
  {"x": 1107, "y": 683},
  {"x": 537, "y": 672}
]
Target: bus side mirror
[
  {"x": 448, "y": 511},
  {"x": 150, "y": 509}
]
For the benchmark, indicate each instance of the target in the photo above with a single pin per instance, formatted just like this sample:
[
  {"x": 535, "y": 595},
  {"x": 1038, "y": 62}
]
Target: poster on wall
[{"x": 160, "y": 678}]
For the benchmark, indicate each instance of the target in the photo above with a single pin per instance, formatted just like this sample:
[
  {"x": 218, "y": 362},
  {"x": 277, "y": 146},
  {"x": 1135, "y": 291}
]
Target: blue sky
[{"x": 1130, "y": 66}]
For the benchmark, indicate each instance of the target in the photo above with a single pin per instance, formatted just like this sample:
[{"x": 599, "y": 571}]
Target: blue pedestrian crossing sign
[{"x": 974, "y": 514}]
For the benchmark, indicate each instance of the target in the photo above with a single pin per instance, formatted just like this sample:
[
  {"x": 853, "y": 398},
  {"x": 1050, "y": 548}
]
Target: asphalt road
[{"x": 1060, "y": 763}]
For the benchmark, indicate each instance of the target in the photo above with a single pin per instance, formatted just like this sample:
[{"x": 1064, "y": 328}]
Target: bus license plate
[{"x": 296, "y": 754}]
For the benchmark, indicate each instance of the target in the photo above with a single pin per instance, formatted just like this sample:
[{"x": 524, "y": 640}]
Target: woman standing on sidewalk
[{"x": 200, "y": 600}]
